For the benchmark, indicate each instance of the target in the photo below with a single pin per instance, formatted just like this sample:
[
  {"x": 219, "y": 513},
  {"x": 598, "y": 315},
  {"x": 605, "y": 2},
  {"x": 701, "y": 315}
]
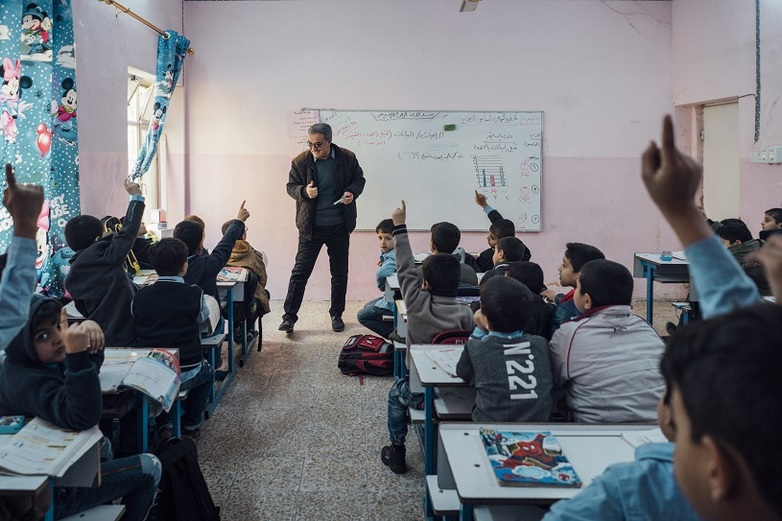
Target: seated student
[
  {"x": 256, "y": 301},
  {"x": 51, "y": 371},
  {"x": 640, "y": 489},
  {"x": 772, "y": 223},
  {"x": 646, "y": 489},
  {"x": 445, "y": 238},
  {"x": 133, "y": 264},
  {"x": 738, "y": 239},
  {"x": 500, "y": 354},
  {"x": 371, "y": 315},
  {"x": 144, "y": 240},
  {"x": 202, "y": 270},
  {"x": 431, "y": 309},
  {"x": 498, "y": 229},
  {"x": 196, "y": 219},
  {"x": 531, "y": 275},
  {"x": 508, "y": 249},
  {"x": 576, "y": 255},
  {"x": 97, "y": 279},
  {"x": 18, "y": 281},
  {"x": 608, "y": 357},
  {"x": 169, "y": 313}
]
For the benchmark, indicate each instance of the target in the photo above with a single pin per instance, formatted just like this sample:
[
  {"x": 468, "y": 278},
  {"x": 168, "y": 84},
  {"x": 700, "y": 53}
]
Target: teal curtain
[
  {"x": 171, "y": 53},
  {"x": 38, "y": 123}
]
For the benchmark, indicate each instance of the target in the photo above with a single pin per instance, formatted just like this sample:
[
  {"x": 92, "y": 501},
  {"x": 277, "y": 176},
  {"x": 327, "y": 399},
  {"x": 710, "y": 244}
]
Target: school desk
[
  {"x": 463, "y": 463},
  {"x": 651, "y": 267}
]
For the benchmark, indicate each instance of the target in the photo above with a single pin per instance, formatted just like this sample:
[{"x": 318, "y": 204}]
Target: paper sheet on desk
[
  {"x": 638, "y": 438},
  {"x": 679, "y": 255},
  {"x": 446, "y": 359}
]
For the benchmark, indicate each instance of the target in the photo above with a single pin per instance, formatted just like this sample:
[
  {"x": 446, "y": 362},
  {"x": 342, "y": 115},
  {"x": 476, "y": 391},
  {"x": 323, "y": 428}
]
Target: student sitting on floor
[
  {"x": 508, "y": 249},
  {"x": 202, "y": 270},
  {"x": 608, "y": 357},
  {"x": 576, "y": 255},
  {"x": 51, "y": 371},
  {"x": 531, "y": 275},
  {"x": 169, "y": 314},
  {"x": 371, "y": 315},
  {"x": 431, "y": 309},
  {"x": 98, "y": 280},
  {"x": 17, "y": 285},
  {"x": 256, "y": 299},
  {"x": 509, "y": 368}
]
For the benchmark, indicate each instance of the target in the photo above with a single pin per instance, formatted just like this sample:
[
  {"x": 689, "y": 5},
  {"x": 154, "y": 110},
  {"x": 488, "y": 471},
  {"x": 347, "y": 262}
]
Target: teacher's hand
[
  {"x": 399, "y": 215},
  {"x": 312, "y": 190},
  {"x": 347, "y": 198}
]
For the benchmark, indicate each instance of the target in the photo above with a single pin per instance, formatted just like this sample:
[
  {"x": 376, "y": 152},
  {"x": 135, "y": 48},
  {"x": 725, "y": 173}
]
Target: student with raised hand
[
  {"x": 51, "y": 371},
  {"x": 97, "y": 279},
  {"x": 19, "y": 278},
  {"x": 672, "y": 180}
]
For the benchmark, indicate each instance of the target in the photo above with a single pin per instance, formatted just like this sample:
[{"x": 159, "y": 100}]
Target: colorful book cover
[{"x": 528, "y": 459}]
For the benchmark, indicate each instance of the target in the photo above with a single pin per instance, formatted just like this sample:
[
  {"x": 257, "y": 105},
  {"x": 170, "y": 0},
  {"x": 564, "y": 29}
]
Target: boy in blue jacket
[{"x": 371, "y": 315}]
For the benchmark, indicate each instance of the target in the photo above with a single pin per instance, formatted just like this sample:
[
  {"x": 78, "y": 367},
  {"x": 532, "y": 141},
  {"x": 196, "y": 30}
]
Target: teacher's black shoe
[
  {"x": 287, "y": 326},
  {"x": 337, "y": 324}
]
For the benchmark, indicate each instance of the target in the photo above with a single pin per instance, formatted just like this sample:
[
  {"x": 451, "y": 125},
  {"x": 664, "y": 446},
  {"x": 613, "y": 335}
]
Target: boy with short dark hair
[
  {"x": 203, "y": 269},
  {"x": 51, "y": 371},
  {"x": 371, "y": 315},
  {"x": 508, "y": 249},
  {"x": 169, "y": 314},
  {"x": 431, "y": 309},
  {"x": 608, "y": 357},
  {"x": 772, "y": 223},
  {"x": 509, "y": 368},
  {"x": 445, "y": 238},
  {"x": 531, "y": 275},
  {"x": 738, "y": 239},
  {"x": 97, "y": 279},
  {"x": 498, "y": 229},
  {"x": 576, "y": 255}
]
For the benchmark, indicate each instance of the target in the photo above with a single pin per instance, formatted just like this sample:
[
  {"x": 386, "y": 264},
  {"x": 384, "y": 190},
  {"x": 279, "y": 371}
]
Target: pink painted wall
[
  {"x": 600, "y": 72},
  {"x": 714, "y": 59},
  {"x": 106, "y": 45}
]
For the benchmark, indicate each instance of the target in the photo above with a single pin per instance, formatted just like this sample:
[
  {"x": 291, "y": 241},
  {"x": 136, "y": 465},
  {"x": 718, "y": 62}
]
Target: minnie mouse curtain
[
  {"x": 171, "y": 53},
  {"x": 38, "y": 125}
]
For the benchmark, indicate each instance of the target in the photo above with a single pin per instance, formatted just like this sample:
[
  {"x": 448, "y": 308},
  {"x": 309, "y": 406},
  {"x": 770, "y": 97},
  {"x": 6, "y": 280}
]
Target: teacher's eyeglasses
[{"x": 317, "y": 145}]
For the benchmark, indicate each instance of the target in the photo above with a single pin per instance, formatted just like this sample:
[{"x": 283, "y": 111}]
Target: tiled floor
[{"x": 294, "y": 439}]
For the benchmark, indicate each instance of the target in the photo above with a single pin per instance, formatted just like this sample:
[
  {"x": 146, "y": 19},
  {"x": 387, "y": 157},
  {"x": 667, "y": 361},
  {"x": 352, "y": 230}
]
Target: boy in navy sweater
[{"x": 169, "y": 313}]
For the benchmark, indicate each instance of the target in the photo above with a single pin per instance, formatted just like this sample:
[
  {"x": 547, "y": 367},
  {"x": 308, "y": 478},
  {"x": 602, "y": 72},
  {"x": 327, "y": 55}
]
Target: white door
[{"x": 721, "y": 161}]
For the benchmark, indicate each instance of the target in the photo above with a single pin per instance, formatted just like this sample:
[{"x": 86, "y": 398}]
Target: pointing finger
[
  {"x": 668, "y": 145},
  {"x": 10, "y": 177}
]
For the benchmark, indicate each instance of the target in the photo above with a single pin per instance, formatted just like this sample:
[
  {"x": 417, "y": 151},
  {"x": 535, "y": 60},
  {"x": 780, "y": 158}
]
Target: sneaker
[
  {"x": 393, "y": 456},
  {"x": 287, "y": 325},
  {"x": 337, "y": 324},
  {"x": 670, "y": 328}
]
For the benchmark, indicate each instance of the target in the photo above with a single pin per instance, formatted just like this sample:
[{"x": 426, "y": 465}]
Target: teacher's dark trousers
[{"x": 337, "y": 241}]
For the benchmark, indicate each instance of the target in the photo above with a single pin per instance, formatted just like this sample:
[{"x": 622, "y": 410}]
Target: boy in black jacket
[
  {"x": 169, "y": 314},
  {"x": 97, "y": 280}
]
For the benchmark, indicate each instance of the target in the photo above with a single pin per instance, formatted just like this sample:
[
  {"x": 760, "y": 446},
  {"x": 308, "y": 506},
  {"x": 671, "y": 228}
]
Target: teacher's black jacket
[{"x": 349, "y": 178}]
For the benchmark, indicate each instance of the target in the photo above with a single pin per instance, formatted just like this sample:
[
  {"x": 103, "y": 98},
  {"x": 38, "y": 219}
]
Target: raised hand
[
  {"x": 86, "y": 336},
  {"x": 24, "y": 204},
  {"x": 480, "y": 199},
  {"x": 399, "y": 215},
  {"x": 132, "y": 187},
  {"x": 243, "y": 214}
]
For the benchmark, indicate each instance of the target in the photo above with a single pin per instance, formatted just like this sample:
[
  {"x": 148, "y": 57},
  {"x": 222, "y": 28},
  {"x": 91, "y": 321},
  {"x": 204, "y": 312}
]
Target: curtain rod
[{"x": 155, "y": 28}]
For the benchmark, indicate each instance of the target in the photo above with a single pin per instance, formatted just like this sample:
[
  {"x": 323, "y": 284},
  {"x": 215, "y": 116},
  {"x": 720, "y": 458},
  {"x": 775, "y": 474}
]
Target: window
[{"x": 141, "y": 98}]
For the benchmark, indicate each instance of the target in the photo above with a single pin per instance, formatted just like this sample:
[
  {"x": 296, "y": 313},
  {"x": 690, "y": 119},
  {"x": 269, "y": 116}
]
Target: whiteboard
[{"x": 436, "y": 160}]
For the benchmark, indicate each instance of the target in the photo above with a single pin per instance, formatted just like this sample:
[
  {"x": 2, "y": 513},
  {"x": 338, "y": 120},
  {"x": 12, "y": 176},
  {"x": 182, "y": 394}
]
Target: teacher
[{"x": 325, "y": 182}]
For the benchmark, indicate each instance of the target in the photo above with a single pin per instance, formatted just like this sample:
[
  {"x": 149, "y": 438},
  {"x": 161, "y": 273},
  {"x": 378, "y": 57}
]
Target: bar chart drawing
[{"x": 489, "y": 171}]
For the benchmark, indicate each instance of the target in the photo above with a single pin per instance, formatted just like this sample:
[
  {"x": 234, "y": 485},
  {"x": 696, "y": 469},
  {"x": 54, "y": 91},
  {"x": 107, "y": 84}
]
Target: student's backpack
[
  {"x": 183, "y": 494},
  {"x": 366, "y": 354}
]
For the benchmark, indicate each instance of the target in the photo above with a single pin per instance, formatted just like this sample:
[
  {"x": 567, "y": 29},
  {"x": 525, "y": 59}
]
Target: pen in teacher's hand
[{"x": 335, "y": 203}]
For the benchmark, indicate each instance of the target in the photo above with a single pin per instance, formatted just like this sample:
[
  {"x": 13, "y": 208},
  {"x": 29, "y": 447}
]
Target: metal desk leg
[
  {"x": 465, "y": 512},
  {"x": 176, "y": 412},
  {"x": 429, "y": 430},
  {"x": 142, "y": 421},
  {"x": 649, "y": 272}
]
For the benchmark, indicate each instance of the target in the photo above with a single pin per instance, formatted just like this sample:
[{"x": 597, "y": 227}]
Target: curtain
[
  {"x": 38, "y": 124},
  {"x": 171, "y": 53}
]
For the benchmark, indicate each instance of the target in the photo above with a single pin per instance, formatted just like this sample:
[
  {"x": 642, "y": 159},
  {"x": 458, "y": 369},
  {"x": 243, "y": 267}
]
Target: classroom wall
[
  {"x": 107, "y": 44},
  {"x": 714, "y": 59},
  {"x": 599, "y": 70}
]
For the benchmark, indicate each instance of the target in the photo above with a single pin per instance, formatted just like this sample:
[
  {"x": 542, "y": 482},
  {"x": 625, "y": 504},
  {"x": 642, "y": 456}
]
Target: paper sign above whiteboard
[{"x": 436, "y": 160}]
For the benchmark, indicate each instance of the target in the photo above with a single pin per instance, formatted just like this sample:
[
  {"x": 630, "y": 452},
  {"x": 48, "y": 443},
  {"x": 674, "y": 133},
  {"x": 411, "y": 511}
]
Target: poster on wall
[{"x": 38, "y": 123}]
